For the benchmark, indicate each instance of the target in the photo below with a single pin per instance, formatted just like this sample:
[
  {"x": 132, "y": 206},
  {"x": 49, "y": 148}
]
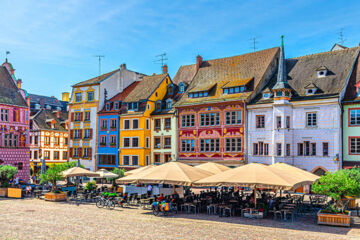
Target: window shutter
[
  {"x": 91, "y": 133},
  {"x": 90, "y": 150},
  {"x": 80, "y": 152},
  {"x": 72, "y": 117},
  {"x": 80, "y": 133},
  {"x": 71, "y": 134},
  {"x": 81, "y": 116},
  {"x": 71, "y": 152}
]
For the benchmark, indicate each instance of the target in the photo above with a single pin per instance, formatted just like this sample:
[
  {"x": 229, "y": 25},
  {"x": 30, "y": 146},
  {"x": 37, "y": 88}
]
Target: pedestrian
[{"x": 149, "y": 190}]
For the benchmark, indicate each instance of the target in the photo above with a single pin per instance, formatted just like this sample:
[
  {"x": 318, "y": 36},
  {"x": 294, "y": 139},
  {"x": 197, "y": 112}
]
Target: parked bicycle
[{"x": 164, "y": 207}]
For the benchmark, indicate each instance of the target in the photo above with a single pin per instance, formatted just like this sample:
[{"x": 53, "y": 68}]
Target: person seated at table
[
  {"x": 123, "y": 199},
  {"x": 160, "y": 198},
  {"x": 28, "y": 190},
  {"x": 270, "y": 202}
]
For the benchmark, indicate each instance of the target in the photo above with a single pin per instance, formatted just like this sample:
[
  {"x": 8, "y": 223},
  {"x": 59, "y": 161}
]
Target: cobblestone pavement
[{"x": 37, "y": 219}]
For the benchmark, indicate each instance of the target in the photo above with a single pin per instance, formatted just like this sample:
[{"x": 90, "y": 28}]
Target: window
[
  {"x": 354, "y": 117},
  {"x": 278, "y": 149},
  {"x": 188, "y": 120},
  {"x": 78, "y": 97},
  {"x": 132, "y": 106},
  {"x": 10, "y": 140},
  {"x": 104, "y": 124},
  {"x": 77, "y": 116},
  {"x": 157, "y": 157},
  {"x": 107, "y": 107},
  {"x": 234, "y": 117},
  {"x": 135, "y": 123},
  {"x": 36, "y": 139},
  {"x": 112, "y": 141},
  {"x": 35, "y": 154},
  {"x": 56, "y": 155},
  {"x": 157, "y": 142},
  {"x": 158, "y": 106},
  {"x": 167, "y": 157},
  {"x": 187, "y": 145},
  {"x": 157, "y": 124},
  {"x": 233, "y": 145},
  {"x": 65, "y": 155},
  {"x": 116, "y": 106},
  {"x": 266, "y": 149},
  {"x": 325, "y": 149},
  {"x": 56, "y": 140},
  {"x": 134, "y": 160},
  {"x": 313, "y": 149},
  {"x": 167, "y": 123},
  {"x": 255, "y": 149},
  {"x": 354, "y": 145},
  {"x": 102, "y": 140},
  {"x": 90, "y": 96},
  {"x": 288, "y": 122},
  {"x": 126, "y": 160},
  {"x": 147, "y": 142},
  {"x": 107, "y": 159},
  {"x": 278, "y": 122},
  {"x": 6, "y": 140},
  {"x": 46, "y": 155},
  {"x": 260, "y": 121},
  {"x": 86, "y": 153},
  {"x": 167, "y": 142},
  {"x": 307, "y": 148},
  {"x": 300, "y": 149},
  {"x": 31, "y": 140},
  {"x": 66, "y": 141},
  {"x": 311, "y": 120},
  {"x": 168, "y": 104},
  {"x": 87, "y": 116},
  {"x": 147, "y": 160},
  {"x": 113, "y": 123},
  {"x": 126, "y": 124},
  {"x": 209, "y": 145},
  {"x": 135, "y": 142},
  {"x": 47, "y": 140},
  {"x": 147, "y": 124},
  {"x": 209, "y": 119},
  {"x": 181, "y": 88},
  {"x": 126, "y": 142},
  {"x": 288, "y": 149},
  {"x": 86, "y": 133},
  {"x": 75, "y": 152}
]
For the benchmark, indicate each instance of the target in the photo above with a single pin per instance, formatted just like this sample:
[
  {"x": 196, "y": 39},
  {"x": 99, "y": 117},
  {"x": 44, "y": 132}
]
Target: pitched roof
[
  {"x": 145, "y": 88},
  {"x": 226, "y": 70},
  {"x": 43, "y": 116},
  {"x": 185, "y": 74},
  {"x": 9, "y": 92},
  {"x": 301, "y": 72},
  {"x": 237, "y": 83},
  {"x": 95, "y": 80},
  {"x": 53, "y": 101}
]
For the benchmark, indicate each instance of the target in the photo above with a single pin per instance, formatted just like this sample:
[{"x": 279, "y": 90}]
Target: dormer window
[
  {"x": 168, "y": 104},
  {"x": 321, "y": 72},
  {"x": 311, "y": 89},
  {"x": 199, "y": 94},
  {"x": 170, "y": 89},
  {"x": 181, "y": 87},
  {"x": 132, "y": 106},
  {"x": 48, "y": 107},
  {"x": 266, "y": 95},
  {"x": 116, "y": 106},
  {"x": 108, "y": 107},
  {"x": 232, "y": 90},
  {"x": 158, "y": 106}
]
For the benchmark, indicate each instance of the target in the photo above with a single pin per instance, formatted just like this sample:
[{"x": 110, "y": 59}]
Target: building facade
[
  {"x": 14, "y": 122},
  {"x": 87, "y": 98},
  {"x": 135, "y": 120},
  {"x": 109, "y": 130},
  {"x": 211, "y": 113},
  {"x": 296, "y": 119}
]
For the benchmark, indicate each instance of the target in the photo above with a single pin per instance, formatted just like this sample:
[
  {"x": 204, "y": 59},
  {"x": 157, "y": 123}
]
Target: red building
[{"x": 211, "y": 113}]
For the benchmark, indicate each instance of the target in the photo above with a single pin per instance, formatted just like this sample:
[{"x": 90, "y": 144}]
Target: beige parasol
[
  {"x": 137, "y": 170},
  {"x": 254, "y": 175},
  {"x": 103, "y": 173},
  {"x": 79, "y": 172},
  {"x": 213, "y": 168},
  {"x": 297, "y": 172},
  {"x": 174, "y": 173}
]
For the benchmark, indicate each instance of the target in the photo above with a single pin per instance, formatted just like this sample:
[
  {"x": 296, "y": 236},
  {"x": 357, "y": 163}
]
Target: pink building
[{"x": 14, "y": 122}]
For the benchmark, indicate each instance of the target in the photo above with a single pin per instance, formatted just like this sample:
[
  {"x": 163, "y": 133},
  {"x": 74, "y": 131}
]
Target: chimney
[
  {"x": 165, "y": 69},
  {"x": 65, "y": 96},
  {"x": 19, "y": 82},
  {"x": 198, "y": 62},
  {"x": 123, "y": 66},
  {"x": 57, "y": 114}
]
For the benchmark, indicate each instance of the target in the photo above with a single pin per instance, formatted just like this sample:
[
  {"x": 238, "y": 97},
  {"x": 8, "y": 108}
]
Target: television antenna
[
  {"x": 253, "y": 43},
  {"x": 99, "y": 57},
  {"x": 161, "y": 58},
  {"x": 341, "y": 36}
]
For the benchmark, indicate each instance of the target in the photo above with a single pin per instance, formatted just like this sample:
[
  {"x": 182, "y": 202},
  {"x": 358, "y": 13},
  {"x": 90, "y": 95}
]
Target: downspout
[{"x": 245, "y": 133}]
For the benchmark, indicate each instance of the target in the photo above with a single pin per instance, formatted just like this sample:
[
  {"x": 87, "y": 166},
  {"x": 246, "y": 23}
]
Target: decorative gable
[
  {"x": 311, "y": 89},
  {"x": 321, "y": 71}
]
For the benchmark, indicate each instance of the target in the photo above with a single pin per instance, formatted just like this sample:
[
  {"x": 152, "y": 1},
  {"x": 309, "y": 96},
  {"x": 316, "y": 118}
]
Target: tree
[
  {"x": 338, "y": 185},
  {"x": 6, "y": 173},
  {"x": 118, "y": 171}
]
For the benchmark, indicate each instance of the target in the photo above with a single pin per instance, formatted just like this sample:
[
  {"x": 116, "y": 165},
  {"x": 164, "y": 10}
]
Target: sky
[{"x": 52, "y": 44}]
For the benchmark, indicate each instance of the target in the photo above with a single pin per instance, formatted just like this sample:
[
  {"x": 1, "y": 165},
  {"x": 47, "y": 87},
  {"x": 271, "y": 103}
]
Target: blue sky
[{"x": 52, "y": 43}]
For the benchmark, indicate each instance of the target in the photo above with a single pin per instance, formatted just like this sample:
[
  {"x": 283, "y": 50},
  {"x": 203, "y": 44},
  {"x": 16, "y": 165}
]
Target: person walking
[{"x": 149, "y": 190}]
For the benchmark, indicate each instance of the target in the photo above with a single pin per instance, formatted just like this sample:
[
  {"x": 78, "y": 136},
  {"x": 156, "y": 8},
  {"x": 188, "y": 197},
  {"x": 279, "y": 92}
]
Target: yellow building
[{"x": 135, "y": 120}]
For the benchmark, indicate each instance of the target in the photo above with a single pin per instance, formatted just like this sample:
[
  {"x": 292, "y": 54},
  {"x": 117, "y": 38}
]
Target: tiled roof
[
  {"x": 145, "y": 88},
  {"x": 9, "y": 92},
  {"x": 47, "y": 100},
  {"x": 225, "y": 70},
  {"x": 301, "y": 72},
  {"x": 237, "y": 83},
  {"x": 204, "y": 87},
  {"x": 185, "y": 74},
  {"x": 43, "y": 116},
  {"x": 95, "y": 80}
]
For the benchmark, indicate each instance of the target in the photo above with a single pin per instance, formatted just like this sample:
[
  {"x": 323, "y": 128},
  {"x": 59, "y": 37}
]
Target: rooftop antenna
[
  {"x": 341, "y": 36},
  {"x": 99, "y": 58},
  {"x": 161, "y": 59},
  {"x": 253, "y": 43}
]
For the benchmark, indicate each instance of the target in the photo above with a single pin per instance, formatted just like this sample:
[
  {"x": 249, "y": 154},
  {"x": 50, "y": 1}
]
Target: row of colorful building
[{"x": 254, "y": 107}]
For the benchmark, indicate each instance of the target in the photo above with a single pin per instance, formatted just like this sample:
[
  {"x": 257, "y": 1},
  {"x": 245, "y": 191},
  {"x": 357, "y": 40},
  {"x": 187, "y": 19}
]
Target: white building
[{"x": 296, "y": 119}]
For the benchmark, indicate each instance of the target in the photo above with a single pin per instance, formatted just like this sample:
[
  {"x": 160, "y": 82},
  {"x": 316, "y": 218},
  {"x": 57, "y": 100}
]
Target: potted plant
[
  {"x": 90, "y": 186},
  {"x": 7, "y": 172},
  {"x": 120, "y": 173},
  {"x": 337, "y": 185}
]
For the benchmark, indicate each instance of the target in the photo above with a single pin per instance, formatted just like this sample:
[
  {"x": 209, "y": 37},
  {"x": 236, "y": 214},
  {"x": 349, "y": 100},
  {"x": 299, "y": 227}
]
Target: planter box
[
  {"x": 333, "y": 219},
  {"x": 14, "y": 192},
  {"x": 55, "y": 197},
  {"x": 3, "y": 192}
]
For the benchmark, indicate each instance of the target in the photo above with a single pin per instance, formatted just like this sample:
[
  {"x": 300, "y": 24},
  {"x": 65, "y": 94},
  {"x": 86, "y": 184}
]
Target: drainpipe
[{"x": 245, "y": 133}]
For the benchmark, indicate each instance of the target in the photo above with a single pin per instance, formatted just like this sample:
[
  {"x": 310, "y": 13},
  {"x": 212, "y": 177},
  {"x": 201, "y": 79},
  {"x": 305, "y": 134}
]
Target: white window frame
[
  {"x": 122, "y": 160},
  {"x": 129, "y": 124},
  {"x": 132, "y": 124},
  {"x": 137, "y": 160},
  {"x": 147, "y": 142},
  {"x": 130, "y": 142},
  {"x": 312, "y": 119}
]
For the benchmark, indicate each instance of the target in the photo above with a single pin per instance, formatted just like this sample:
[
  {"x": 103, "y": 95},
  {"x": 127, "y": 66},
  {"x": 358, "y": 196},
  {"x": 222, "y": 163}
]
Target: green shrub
[
  {"x": 7, "y": 172},
  {"x": 90, "y": 186}
]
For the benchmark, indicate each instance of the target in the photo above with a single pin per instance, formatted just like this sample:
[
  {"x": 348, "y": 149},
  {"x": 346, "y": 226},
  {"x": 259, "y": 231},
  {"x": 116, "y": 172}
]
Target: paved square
[{"x": 37, "y": 219}]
